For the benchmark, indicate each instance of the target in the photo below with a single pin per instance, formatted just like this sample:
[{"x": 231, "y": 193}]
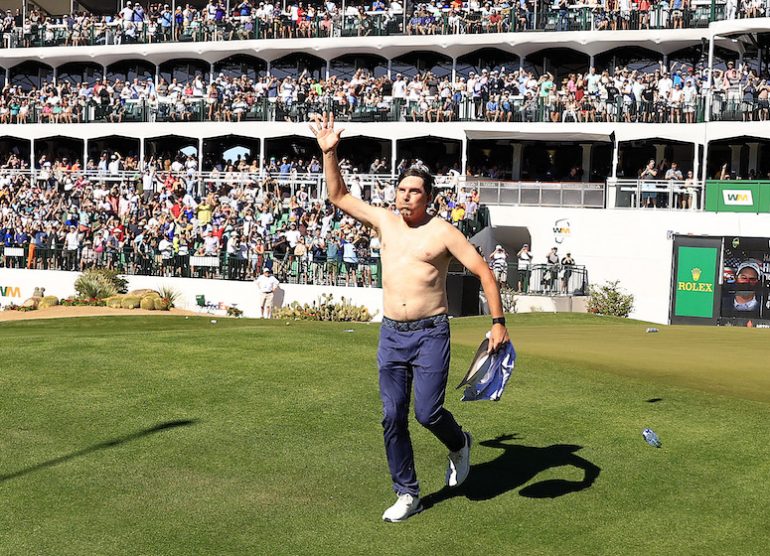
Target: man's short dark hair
[{"x": 420, "y": 172}]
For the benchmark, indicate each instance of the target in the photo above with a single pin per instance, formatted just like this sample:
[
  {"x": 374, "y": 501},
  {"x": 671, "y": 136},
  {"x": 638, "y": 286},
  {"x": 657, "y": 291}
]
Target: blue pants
[{"x": 414, "y": 352}]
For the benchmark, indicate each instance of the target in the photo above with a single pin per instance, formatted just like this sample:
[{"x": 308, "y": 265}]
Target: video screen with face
[{"x": 745, "y": 276}]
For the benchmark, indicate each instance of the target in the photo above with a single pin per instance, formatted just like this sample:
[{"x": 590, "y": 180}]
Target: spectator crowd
[
  {"x": 252, "y": 19},
  {"x": 156, "y": 222},
  {"x": 663, "y": 95}
]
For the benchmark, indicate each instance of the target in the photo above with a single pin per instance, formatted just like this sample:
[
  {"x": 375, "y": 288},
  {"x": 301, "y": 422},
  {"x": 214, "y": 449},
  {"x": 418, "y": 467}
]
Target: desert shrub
[
  {"x": 93, "y": 284},
  {"x": 162, "y": 304},
  {"x": 234, "y": 312},
  {"x": 169, "y": 293},
  {"x": 19, "y": 308},
  {"x": 120, "y": 283},
  {"x": 508, "y": 297},
  {"x": 130, "y": 302},
  {"x": 147, "y": 303},
  {"x": 325, "y": 309},
  {"x": 609, "y": 299}
]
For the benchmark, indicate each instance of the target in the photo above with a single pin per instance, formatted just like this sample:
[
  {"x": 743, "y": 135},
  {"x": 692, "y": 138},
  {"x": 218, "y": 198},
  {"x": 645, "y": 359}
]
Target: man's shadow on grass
[
  {"x": 516, "y": 466},
  {"x": 100, "y": 446}
]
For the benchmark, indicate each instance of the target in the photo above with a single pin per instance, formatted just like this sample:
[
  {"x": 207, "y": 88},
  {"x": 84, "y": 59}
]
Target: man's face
[
  {"x": 411, "y": 199},
  {"x": 747, "y": 276}
]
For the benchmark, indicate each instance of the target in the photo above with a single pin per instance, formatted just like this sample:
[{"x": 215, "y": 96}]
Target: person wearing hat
[
  {"x": 743, "y": 299},
  {"x": 550, "y": 275},
  {"x": 267, "y": 284},
  {"x": 498, "y": 260},
  {"x": 524, "y": 266},
  {"x": 414, "y": 346}
]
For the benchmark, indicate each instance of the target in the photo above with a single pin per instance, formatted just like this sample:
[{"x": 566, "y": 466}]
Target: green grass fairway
[{"x": 160, "y": 436}]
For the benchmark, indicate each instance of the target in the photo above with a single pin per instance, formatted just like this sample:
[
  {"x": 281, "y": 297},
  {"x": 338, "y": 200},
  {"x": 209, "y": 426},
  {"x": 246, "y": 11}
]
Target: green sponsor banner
[
  {"x": 738, "y": 196},
  {"x": 695, "y": 282}
]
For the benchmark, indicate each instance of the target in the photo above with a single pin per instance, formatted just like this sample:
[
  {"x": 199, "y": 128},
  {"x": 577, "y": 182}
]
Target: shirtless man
[{"x": 414, "y": 338}]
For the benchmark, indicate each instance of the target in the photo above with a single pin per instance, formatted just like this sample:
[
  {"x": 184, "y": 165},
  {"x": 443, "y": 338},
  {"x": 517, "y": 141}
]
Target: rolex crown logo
[{"x": 696, "y": 274}]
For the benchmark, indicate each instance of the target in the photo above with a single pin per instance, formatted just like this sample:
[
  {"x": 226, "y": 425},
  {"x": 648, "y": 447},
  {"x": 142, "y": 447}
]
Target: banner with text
[{"x": 696, "y": 282}]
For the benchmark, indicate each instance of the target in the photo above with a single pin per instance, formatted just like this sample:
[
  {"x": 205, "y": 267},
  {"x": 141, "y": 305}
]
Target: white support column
[
  {"x": 328, "y": 69},
  {"x": 200, "y": 183},
  {"x": 393, "y": 156},
  {"x": 464, "y": 154},
  {"x": 157, "y": 76},
  {"x": 141, "y": 153},
  {"x": 660, "y": 153},
  {"x": 704, "y": 165},
  {"x": 735, "y": 159},
  {"x": 709, "y": 86},
  {"x": 55, "y": 76},
  {"x": 211, "y": 74},
  {"x": 85, "y": 153},
  {"x": 521, "y": 62},
  {"x": 516, "y": 166},
  {"x": 454, "y": 69},
  {"x": 586, "y": 162},
  {"x": 615, "y": 159},
  {"x": 695, "y": 161},
  {"x": 261, "y": 157},
  {"x": 753, "y": 156},
  {"x": 591, "y": 61},
  {"x": 268, "y": 67},
  {"x": 665, "y": 61},
  {"x": 32, "y": 155},
  {"x": 390, "y": 69}
]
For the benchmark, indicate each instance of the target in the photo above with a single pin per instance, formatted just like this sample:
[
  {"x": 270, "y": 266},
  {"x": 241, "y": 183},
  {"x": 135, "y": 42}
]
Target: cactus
[
  {"x": 48, "y": 301},
  {"x": 325, "y": 309},
  {"x": 147, "y": 303},
  {"x": 130, "y": 302}
]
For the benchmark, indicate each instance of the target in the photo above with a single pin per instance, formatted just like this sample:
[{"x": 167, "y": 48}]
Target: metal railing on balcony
[
  {"x": 660, "y": 194},
  {"x": 504, "y": 108},
  {"x": 288, "y": 268},
  {"x": 444, "y": 21},
  {"x": 537, "y": 194}
]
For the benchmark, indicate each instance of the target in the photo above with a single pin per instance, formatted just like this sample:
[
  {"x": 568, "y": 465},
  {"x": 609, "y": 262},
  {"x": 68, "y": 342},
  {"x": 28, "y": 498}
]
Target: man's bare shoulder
[{"x": 387, "y": 218}]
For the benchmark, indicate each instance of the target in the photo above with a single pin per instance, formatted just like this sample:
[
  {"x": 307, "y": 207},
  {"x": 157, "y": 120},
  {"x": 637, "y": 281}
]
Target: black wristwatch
[{"x": 498, "y": 320}]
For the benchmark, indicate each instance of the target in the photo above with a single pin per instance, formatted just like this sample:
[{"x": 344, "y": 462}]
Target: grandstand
[{"x": 609, "y": 129}]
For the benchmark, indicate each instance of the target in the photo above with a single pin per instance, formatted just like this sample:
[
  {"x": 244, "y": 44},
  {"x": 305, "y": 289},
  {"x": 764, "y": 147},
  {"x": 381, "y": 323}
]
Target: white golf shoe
[
  {"x": 406, "y": 505},
  {"x": 459, "y": 463}
]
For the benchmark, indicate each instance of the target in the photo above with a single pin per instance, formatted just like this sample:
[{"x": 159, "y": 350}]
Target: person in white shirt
[
  {"x": 267, "y": 284},
  {"x": 292, "y": 235}
]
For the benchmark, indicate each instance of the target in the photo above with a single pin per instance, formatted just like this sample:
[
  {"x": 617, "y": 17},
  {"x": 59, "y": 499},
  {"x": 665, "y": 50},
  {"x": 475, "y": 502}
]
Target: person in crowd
[{"x": 524, "y": 268}]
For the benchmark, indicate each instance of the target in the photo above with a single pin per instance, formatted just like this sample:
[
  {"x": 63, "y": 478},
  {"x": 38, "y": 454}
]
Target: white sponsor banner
[{"x": 738, "y": 197}]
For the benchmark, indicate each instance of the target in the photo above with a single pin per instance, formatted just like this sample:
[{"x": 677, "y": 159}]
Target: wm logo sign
[
  {"x": 10, "y": 291},
  {"x": 738, "y": 197}
]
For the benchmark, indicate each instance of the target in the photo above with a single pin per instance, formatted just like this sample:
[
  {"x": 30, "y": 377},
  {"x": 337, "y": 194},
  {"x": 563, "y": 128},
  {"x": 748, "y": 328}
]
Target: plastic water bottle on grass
[{"x": 651, "y": 438}]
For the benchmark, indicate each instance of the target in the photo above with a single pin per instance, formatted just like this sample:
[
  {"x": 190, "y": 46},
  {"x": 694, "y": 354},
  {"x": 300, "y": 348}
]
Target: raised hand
[{"x": 328, "y": 138}]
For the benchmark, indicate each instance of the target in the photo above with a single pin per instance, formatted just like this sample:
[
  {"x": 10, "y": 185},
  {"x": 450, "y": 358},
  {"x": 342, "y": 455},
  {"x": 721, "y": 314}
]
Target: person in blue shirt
[{"x": 286, "y": 166}]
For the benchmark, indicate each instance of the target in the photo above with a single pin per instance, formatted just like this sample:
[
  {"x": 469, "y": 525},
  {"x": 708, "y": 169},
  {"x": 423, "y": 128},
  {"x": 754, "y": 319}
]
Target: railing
[
  {"x": 661, "y": 194},
  {"x": 555, "y": 279},
  {"x": 726, "y": 107},
  {"x": 545, "y": 194},
  {"x": 288, "y": 268},
  {"x": 313, "y": 183},
  {"x": 446, "y": 22},
  {"x": 509, "y": 109},
  {"x": 542, "y": 279}
]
